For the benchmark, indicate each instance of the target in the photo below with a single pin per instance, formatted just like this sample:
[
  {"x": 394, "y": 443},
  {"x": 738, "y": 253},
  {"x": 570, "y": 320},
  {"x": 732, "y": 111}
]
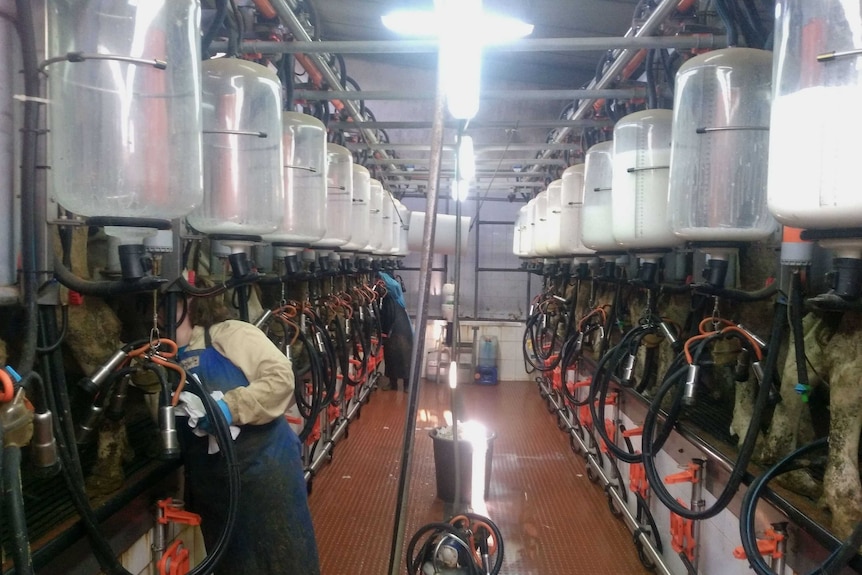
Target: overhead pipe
[
  {"x": 479, "y": 149},
  {"x": 636, "y": 42},
  {"x": 289, "y": 19},
  {"x": 516, "y": 160},
  {"x": 627, "y": 93},
  {"x": 621, "y": 61},
  {"x": 478, "y": 125}
]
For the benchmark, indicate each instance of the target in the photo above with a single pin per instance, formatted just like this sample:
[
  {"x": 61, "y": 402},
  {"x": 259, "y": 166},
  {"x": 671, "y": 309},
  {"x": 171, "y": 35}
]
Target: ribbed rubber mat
[{"x": 553, "y": 520}]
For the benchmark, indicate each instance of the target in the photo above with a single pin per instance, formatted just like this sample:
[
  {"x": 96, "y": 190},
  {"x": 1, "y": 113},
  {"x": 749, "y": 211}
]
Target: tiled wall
[
  {"x": 509, "y": 334},
  {"x": 501, "y": 295}
]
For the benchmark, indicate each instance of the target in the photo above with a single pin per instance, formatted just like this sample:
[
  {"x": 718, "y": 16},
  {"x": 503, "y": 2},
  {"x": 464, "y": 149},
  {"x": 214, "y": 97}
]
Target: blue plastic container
[
  {"x": 486, "y": 375},
  {"x": 487, "y": 351}
]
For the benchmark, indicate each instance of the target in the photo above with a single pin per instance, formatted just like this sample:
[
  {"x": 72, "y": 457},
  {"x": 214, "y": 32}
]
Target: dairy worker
[{"x": 273, "y": 533}]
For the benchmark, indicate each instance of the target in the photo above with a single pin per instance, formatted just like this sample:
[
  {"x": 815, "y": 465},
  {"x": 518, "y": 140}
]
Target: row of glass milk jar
[
  {"x": 203, "y": 140},
  {"x": 722, "y": 167}
]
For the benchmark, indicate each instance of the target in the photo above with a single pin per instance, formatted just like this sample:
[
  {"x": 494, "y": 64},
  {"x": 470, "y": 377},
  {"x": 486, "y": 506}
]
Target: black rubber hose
[
  {"x": 747, "y": 514},
  {"x": 225, "y": 441},
  {"x": 727, "y": 20},
  {"x": 749, "y": 25},
  {"x": 746, "y": 449},
  {"x": 309, "y": 409},
  {"x": 27, "y": 34},
  {"x": 652, "y": 89},
  {"x": 288, "y": 80},
  {"x": 57, "y": 393},
  {"x": 61, "y": 336},
  {"x": 103, "y": 288},
  {"x": 330, "y": 361},
  {"x": 669, "y": 74},
  {"x": 797, "y": 308},
  {"x": 360, "y": 343},
  {"x": 414, "y": 560},
  {"x": 14, "y": 497},
  {"x": 601, "y": 386},
  {"x": 737, "y": 295},
  {"x": 218, "y": 20},
  {"x": 191, "y": 290},
  {"x": 498, "y": 539}
]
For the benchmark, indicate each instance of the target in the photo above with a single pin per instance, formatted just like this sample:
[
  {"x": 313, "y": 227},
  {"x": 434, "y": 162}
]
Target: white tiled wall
[{"x": 509, "y": 334}]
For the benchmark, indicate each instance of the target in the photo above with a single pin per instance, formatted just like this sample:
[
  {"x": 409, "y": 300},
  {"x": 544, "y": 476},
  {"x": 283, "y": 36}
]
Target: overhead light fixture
[
  {"x": 466, "y": 159},
  {"x": 463, "y": 29},
  {"x": 459, "y": 189}
]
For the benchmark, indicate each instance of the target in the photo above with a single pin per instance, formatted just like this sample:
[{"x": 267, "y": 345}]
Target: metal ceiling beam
[
  {"x": 478, "y": 149},
  {"x": 479, "y": 185},
  {"x": 306, "y": 46},
  {"x": 475, "y": 125},
  {"x": 289, "y": 19},
  {"x": 450, "y": 173},
  {"x": 503, "y": 161},
  {"x": 615, "y": 94},
  {"x": 621, "y": 60}
]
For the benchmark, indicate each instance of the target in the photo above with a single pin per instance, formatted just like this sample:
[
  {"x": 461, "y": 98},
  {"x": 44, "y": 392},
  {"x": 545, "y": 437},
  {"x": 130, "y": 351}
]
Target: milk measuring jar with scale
[
  {"x": 717, "y": 189},
  {"x": 597, "y": 215},
  {"x": 124, "y": 131},
  {"x": 642, "y": 144},
  {"x": 817, "y": 87}
]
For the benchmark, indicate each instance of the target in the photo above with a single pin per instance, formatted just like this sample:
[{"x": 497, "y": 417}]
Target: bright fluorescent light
[
  {"x": 466, "y": 159},
  {"x": 459, "y": 190},
  {"x": 497, "y": 29},
  {"x": 453, "y": 375},
  {"x": 420, "y": 23},
  {"x": 463, "y": 29}
]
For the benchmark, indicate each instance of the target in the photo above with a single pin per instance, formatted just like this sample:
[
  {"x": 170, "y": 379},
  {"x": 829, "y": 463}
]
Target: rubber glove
[{"x": 206, "y": 425}]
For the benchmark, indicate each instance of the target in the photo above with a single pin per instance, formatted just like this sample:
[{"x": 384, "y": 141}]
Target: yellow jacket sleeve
[{"x": 269, "y": 372}]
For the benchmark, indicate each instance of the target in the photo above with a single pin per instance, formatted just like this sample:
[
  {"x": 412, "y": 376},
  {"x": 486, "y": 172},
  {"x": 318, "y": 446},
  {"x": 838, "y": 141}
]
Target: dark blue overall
[{"x": 273, "y": 532}]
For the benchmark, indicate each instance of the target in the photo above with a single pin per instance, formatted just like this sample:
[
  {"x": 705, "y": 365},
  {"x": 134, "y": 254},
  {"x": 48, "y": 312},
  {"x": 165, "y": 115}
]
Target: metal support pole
[
  {"x": 697, "y": 504},
  {"x": 422, "y": 317},
  {"x": 780, "y": 562}
]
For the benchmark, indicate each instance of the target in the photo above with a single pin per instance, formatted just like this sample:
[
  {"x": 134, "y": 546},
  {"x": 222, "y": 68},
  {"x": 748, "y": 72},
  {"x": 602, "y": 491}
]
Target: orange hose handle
[{"x": 7, "y": 385}]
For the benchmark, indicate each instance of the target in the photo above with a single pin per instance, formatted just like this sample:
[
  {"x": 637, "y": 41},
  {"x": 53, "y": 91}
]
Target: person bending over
[{"x": 273, "y": 533}]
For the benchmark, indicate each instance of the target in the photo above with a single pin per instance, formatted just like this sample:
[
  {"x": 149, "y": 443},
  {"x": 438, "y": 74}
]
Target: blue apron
[{"x": 273, "y": 531}]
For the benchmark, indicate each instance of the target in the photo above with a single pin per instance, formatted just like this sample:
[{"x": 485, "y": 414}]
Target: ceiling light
[
  {"x": 418, "y": 23},
  {"x": 463, "y": 29},
  {"x": 466, "y": 159}
]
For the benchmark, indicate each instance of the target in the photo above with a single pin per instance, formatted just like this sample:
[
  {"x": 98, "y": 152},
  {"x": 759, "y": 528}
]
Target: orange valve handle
[
  {"x": 766, "y": 546},
  {"x": 173, "y": 512},
  {"x": 687, "y": 476}
]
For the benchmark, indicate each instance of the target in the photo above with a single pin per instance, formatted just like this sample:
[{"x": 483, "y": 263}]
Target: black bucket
[{"x": 444, "y": 467}]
